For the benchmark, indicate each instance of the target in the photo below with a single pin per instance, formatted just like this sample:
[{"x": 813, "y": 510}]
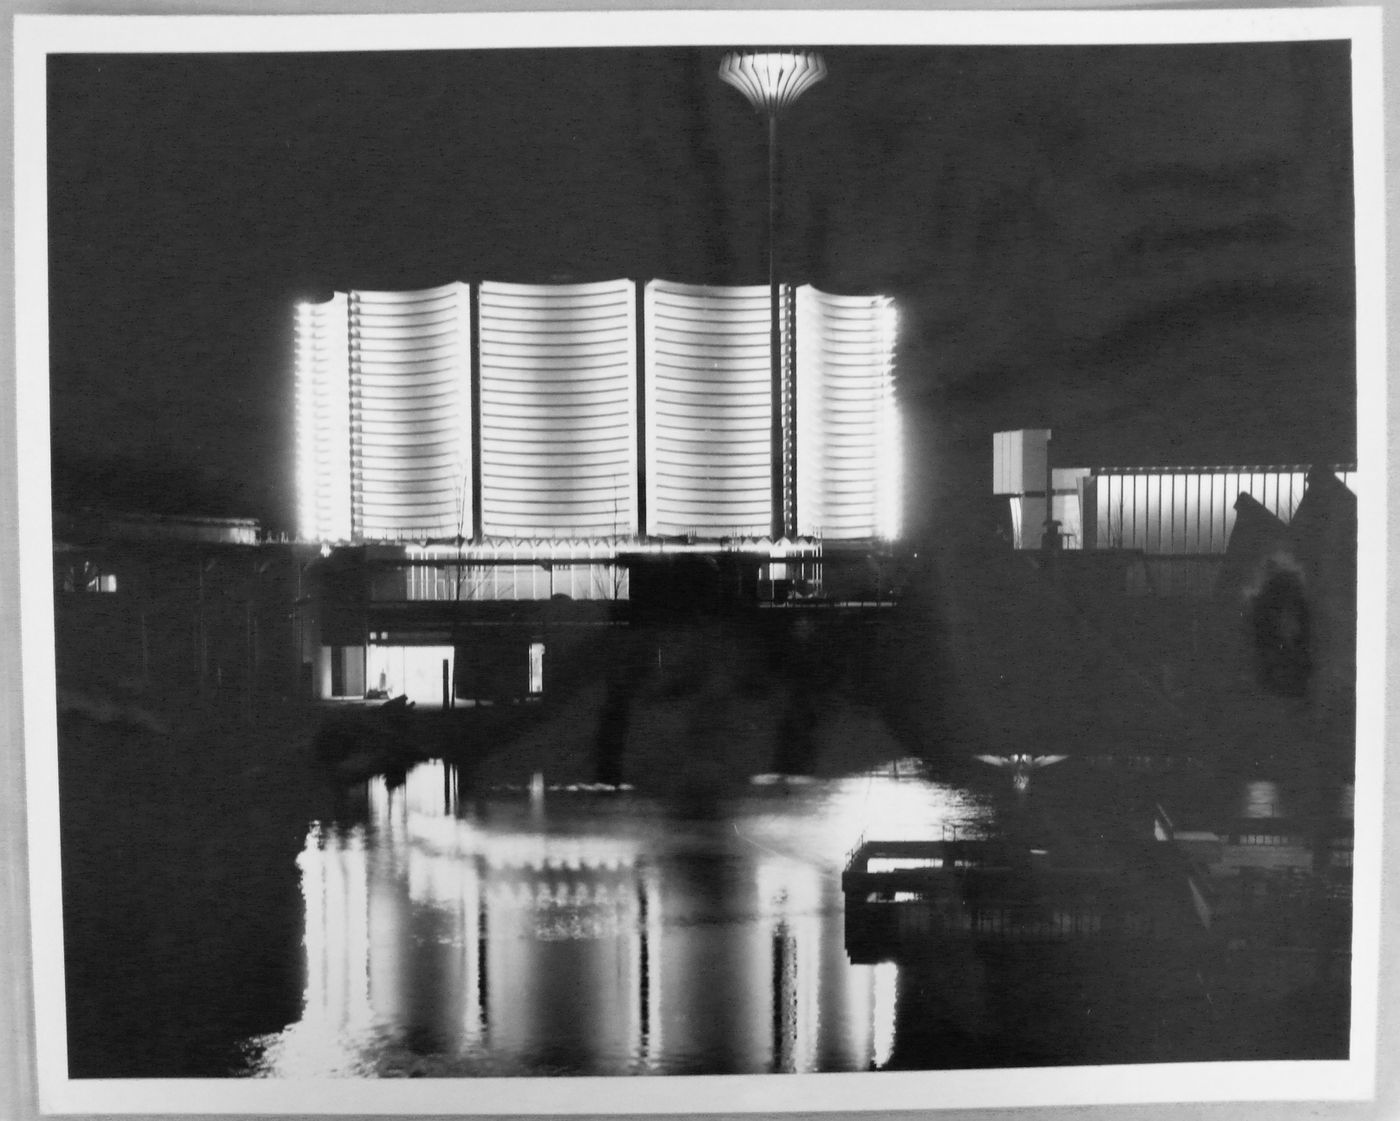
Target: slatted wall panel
[
  {"x": 1189, "y": 511},
  {"x": 410, "y": 369},
  {"x": 708, "y": 410},
  {"x": 323, "y": 420},
  {"x": 848, "y": 439},
  {"x": 558, "y": 409}
]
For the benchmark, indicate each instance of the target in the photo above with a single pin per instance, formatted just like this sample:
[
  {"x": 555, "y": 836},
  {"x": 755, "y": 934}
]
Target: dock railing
[{"x": 948, "y": 831}]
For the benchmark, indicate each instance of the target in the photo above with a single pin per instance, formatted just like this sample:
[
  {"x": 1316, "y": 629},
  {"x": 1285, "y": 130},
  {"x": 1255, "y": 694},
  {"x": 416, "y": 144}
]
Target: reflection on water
[
  {"x": 607, "y": 933},
  {"x": 1262, "y": 799},
  {"x": 885, "y": 985},
  {"x": 595, "y": 934},
  {"x": 1265, "y": 798}
]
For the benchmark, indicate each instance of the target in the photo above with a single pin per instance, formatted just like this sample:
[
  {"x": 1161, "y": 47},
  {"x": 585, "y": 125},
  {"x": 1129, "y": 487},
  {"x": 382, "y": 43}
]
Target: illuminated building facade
[
  {"x": 570, "y": 446},
  {"x": 1178, "y": 520},
  {"x": 558, "y": 378},
  {"x": 1178, "y": 511},
  {"x": 547, "y": 412},
  {"x": 596, "y": 946},
  {"x": 709, "y": 412}
]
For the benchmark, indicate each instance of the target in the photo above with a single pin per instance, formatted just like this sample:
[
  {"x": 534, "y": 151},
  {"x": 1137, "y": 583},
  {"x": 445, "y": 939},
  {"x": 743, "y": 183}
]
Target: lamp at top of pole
[{"x": 772, "y": 80}]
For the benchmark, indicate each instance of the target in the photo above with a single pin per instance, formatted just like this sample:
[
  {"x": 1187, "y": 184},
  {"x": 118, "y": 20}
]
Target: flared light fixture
[{"x": 772, "y": 80}]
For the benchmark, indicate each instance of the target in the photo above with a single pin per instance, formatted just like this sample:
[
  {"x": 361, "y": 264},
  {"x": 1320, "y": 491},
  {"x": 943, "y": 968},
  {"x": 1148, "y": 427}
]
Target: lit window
[
  {"x": 90, "y": 578},
  {"x": 536, "y": 668}
]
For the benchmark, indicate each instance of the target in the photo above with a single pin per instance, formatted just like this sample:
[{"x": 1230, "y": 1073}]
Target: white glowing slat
[
  {"x": 1112, "y": 529},
  {"x": 558, "y": 409},
  {"x": 371, "y": 319},
  {"x": 1154, "y": 513},
  {"x": 751, "y": 467},
  {"x": 1184, "y": 513},
  {"x": 708, "y": 409},
  {"x": 1234, "y": 485},
  {"x": 410, "y": 445},
  {"x": 323, "y": 420},
  {"x": 848, "y": 446},
  {"x": 423, "y": 331},
  {"x": 1166, "y": 525},
  {"x": 583, "y": 462},
  {"x": 404, "y": 343}
]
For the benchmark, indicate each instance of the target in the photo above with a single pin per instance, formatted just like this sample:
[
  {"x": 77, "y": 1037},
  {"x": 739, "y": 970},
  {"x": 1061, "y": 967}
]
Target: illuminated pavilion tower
[
  {"x": 384, "y": 415},
  {"x": 590, "y": 413},
  {"x": 547, "y": 446},
  {"x": 558, "y": 410},
  {"x": 709, "y": 456},
  {"x": 848, "y": 435}
]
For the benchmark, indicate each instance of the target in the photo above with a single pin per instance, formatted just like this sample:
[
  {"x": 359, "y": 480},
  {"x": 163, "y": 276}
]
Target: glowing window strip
[
  {"x": 323, "y": 420},
  {"x": 708, "y": 410},
  {"x": 384, "y": 413},
  {"x": 1190, "y": 511},
  {"x": 848, "y": 430},
  {"x": 558, "y": 409},
  {"x": 410, "y": 371}
]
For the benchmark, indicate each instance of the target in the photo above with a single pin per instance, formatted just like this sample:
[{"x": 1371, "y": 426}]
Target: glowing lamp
[{"x": 772, "y": 80}]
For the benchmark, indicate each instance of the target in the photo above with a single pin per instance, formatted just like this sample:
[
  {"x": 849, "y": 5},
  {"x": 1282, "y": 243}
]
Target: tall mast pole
[
  {"x": 773, "y": 80},
  {"x": 778, "y": 471}
]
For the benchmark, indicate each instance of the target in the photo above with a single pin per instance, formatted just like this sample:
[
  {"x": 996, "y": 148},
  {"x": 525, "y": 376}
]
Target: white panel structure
[
  {"x": 1028, "y": 510},
  {"x": 323, "y": 420},
  {"x": 558, "y": 409},
  {"x": 515, "y": 570},
  {"x": 848, "y": 438},
  {"x": 1018, "y": 461},
  {"x": 410, "y": 439},
  {"x": 386, "y": 393},
  {"x": 1189, "y": 510},
  {"x": 709, "y": 410}
]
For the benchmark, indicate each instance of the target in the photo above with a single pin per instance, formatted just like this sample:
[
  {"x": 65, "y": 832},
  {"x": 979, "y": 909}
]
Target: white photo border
[{"x": 28, "y": 775}]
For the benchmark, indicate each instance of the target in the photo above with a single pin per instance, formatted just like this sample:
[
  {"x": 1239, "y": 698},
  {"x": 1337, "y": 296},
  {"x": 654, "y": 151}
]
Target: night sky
[{"x": 1147, "y": 248}]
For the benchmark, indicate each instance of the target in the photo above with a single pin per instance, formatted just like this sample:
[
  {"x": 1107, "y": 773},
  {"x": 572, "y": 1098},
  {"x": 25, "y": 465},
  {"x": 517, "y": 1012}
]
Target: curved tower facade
[
  {"x": 848, "y": 436},
  {"x": 708, "y": 411},
  {"x": 410, "y": 409},
  {"x": 558, "y": 410},
  {"x": 593, "y": 412},
  {"x": 323, "y": 419}
]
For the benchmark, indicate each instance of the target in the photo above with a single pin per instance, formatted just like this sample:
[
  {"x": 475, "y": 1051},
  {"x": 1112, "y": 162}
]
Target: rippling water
[
  {"x": 429, "y": 928},
  {"x": 595, "y": 933}
]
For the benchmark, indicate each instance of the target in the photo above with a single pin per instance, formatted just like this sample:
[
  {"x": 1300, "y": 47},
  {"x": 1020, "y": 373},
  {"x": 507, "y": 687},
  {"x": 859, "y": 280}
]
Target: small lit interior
[{"x": 412, "y": 671}]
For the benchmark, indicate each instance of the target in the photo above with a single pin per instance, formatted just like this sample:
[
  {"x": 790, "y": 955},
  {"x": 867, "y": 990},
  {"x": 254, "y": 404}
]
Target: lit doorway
[{"x": 412, "y": 671}]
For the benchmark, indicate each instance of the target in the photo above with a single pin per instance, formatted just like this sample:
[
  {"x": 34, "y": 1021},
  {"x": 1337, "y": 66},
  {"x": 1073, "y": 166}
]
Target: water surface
[{"x": 595, "y": 933}]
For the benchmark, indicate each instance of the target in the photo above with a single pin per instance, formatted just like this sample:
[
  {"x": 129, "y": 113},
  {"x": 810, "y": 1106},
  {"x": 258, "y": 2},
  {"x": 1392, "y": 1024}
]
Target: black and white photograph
[{"x": 745, "y": 558}]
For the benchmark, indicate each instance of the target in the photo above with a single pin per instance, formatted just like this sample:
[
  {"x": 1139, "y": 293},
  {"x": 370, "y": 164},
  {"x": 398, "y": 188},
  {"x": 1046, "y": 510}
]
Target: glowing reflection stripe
[{"x": 884, "y": 1012}]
